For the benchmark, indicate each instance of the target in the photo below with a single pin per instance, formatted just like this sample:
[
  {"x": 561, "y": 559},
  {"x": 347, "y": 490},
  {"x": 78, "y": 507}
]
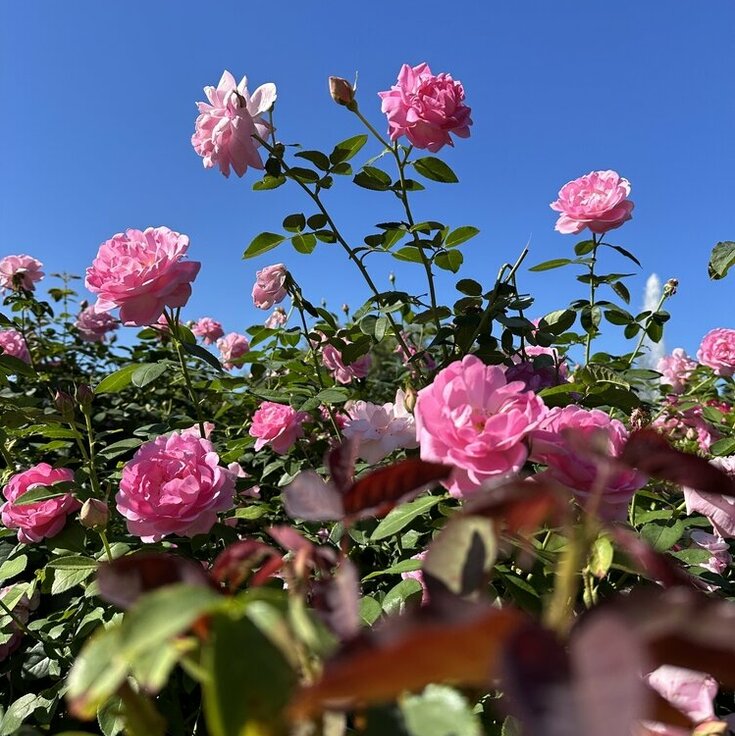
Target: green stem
[
  {"x": 106, "y": 543},
  {"x": 634, "y": 355},
  {"x": 590, "y": 334},
  {"x": 369, "y": 126},
  {"x": 92, "y": 458}
]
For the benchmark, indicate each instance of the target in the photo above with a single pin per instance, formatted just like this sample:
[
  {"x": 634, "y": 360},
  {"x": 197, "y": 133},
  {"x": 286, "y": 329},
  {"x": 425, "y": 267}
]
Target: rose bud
[
  {"x": 84, "y": 396},
  {"x": 65, "y": 404},
  {"x": 343, "y": 93},
  {"x": 94, "y": 514}
]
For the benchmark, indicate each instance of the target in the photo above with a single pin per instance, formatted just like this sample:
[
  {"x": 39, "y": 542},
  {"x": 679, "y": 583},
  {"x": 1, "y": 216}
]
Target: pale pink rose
[
  {"x": 232, "y": 347},
  {"x": 343, "y": 372},
  {"x": 406, "y": 355},
  {"x": 224, "y": 130},
  {"x": 676, "y": 369},
  {"x": 35, "y": 521},
  {"x": 690, "y": 692},
  {"x": 276, "y": 319},
  {"x": 555, "y": 444},
  {"x": 20, "y": 271},
  {"x": 426, "y": 108},
  {"x": 141, "y": 272},
  {"x": 418, "y": 575},
  {"x": 685, "y": 425},
  {"x": 22, "y": 612},
  {"x": 174, "y": 485},
  {"x": 269, "y": 287},
  {"x": 277, "y": 425},
  {"x": 380, "y": 429},
  {"x": 94, "y": 325},
  {"x": 720, "y": 510},
  {"x": 12, "y": 343},
  {"x": 472, "y": 418},
  {"x": 340, "y": 418},
  {"x": 718, "y": 548},
  {"x": 598, "y": 201},
  {"x": 208, "y": 329},
  {"x": 717, "y": 351}
]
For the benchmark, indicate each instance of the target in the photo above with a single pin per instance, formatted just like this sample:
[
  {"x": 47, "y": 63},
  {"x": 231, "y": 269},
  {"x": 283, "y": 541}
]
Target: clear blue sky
[{"x": 99, "y": 106}]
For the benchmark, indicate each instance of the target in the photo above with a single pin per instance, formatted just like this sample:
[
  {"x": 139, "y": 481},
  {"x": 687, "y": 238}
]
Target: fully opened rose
[
  {"x": 472, "y": 418},
  {"x": 277, "y": 425},
  {"x": 142, "y": 272},
  {"x": 269, "y": 287},
  {"x": 20, "y": 271},
  {"x": 598, "y": 201},
  {"x": 426, "y": 108},
  {"x": 94, "y": 325},
  {"x": 40, "y": 519},
  {"x": 717, "y": 351},
  {"x": 174, "y": 485},
  {"x": 231, "y": 348},
  {"x": 12, "y": 343},
  {"x": 224, "y": 130},
  {"x": 208, "y": 329}
]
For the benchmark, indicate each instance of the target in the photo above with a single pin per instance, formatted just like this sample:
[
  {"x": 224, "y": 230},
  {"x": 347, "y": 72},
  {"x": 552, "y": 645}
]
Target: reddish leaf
[
  {"x": 125, "y": 579},
  {"x": 311, "y": 498},
  {"x": 336, "y": 599},
  {"x": 386, "y": 486},
  {"x": 651, "y": 453},
  {"x": 236, "y": 563},
  {"x": 341, "y": 463},
  {"x": 408, "y": 653},
  {"x": 319, "y": 557}
]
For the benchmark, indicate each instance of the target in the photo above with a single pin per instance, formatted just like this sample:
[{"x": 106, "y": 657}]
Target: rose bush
[{"x": 426, "y": 515}]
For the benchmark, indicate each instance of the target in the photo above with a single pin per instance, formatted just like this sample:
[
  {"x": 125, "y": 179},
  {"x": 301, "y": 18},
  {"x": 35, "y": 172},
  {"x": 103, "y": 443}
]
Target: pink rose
[
  {"x": 688, "y": 691},
  {"x": 344, "y": 372},
  {"x": 276, "y": 319},
  {"x": 142, "y": 272},
  {"x": 208, "y": 329},
  {"x": 277, "y": 425},
  {"x": 470, "y": 417},
  {"x": 719, "y": 549},
  {"x": 20, "y": 271},
  {"x": 232, "y": 347},
  {"x": 598, "y": 201},
  {"x": 174, "y": 485},
  {"x": 554, "y": 443},
  {"x": 12, "y": 343},
  {"x": 426, "y": 108},
  {"x": 269, "y": 286},
  {"x": 720, "y": 510},
  {"x": 35, "y": 521},
  {"x": 94, "y": 325},
  {"x": 380, "y": 429},
  {"x": 676, "y": 369},
  {"x": 686, "y": 425},
  {"x": 22, "y": 612},
  {"x": 223, "y": 134},
  {"x": 717, "y": 351},
  {"x": 418, "y": 575}
]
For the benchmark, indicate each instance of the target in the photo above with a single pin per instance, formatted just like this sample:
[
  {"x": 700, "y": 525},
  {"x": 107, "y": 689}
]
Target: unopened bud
[
  {"x": 65, "y": 404},
  {"x": 392, "y": 278},
  {"x": 94, "y": 514},
  {"x": 343, "y": 93},
  {"x": 346, "y": 308},
  {"x": 84, "y": 396},
  {"x": 409, "y": 399},
  {"x": 670, "y": 287}
]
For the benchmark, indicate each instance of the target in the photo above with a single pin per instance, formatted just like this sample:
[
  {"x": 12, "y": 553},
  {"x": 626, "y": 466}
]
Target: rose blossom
[
  {"x": 719, "y": 549},
  {"x": 40, "y": 519},
  {"x": 276, "y": 319},
  {"x": 598, "y": 201},
  {"x": 687, "y": 425},
  {"x": 717, "y": 351},
  {"x": 12, "y": 343},
  {"x": 231, "y": 347},
  {"x": 554, "y": 444},
  {"x": 174, "y": 485},
  {"x": 269, "y": 286},
  {"x": 472, "y": 418},
  {"x": 380, "y": 429},
  {"x": 94, "y": 325},
  {"x": 720, "y": 510},
  {"x": 142, "y": 272},
  {"x": 22, "y": 612},
  {"x": 342, "y": 372},
  {"x": 20, "y": 271},
  {"x": 277, "y": 425},
  {"x": 426, "y": 108},
  {"x": 418, "y": 575},
  {"x": 208, "y": 329},
  {"x": 224, "y": 130},
  {"x": 676, "y": 369}
]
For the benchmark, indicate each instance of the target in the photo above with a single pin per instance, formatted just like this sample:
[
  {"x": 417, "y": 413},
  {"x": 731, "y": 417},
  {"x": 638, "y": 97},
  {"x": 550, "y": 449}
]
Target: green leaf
[
  {"x": 269, "y": 182},
  {"x": 559, "y": 321},
  {"x": 197, "y": 351},
  {"x": 402, "y": 516},
  {"x": 73, "y": 562},
  {"x": 317, "y": 221},
  {"x": 326, "y": 396},
  {"x": 42, "y": 493},
  {"x": 304, "y": 243},
  {"x": 408, "y": 253},
  {"x": 397, "y": 569},
  {"x": 624, "y": 252},
  {"x": 460, "y": 235},
  {"x": 14, "y": 366},
  {"x": 319, "y": 159},
  {"x": 11, "y": 568},
  {"x": 294, "y": 223},
  {"x": 721, "y": 260},
  {"x": 244, "y": 694},
  {"x": 399, "y": 595},
  {"x": 262, "y": 244},
  {"x": 120, "y": 448},
  {"x": 348, "y": 148},
  {"x": 553, "y": 263},
  {"x": 149, "y": 372},
  {"x": 584, "y": 247},
  {"x": 725, "y": 446},
  {"x": 370, "y": 610},
  {"x": 435, "y": 169},
  {"x": 17, "y": 713},
  {"x": 621, "y": 290},
  {"x": 372, "y": 178},
  {"x": 662, "y": 537},
  {"x": 469, "y": 287},
  {"x": 117, "y": 381},
  {"x": 308, "y": 176},
  {"x": 449, "y": 260},
  {"x": 439, "y": 711}
]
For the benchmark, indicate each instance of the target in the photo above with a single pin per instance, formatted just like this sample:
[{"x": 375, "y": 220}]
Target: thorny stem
[
  {"x": 637, "y": 350},
  {"x": 593, "y": 261}
]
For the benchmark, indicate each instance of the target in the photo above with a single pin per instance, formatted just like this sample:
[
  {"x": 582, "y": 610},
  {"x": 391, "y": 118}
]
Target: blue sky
[{"x": 99, "y": 106}]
